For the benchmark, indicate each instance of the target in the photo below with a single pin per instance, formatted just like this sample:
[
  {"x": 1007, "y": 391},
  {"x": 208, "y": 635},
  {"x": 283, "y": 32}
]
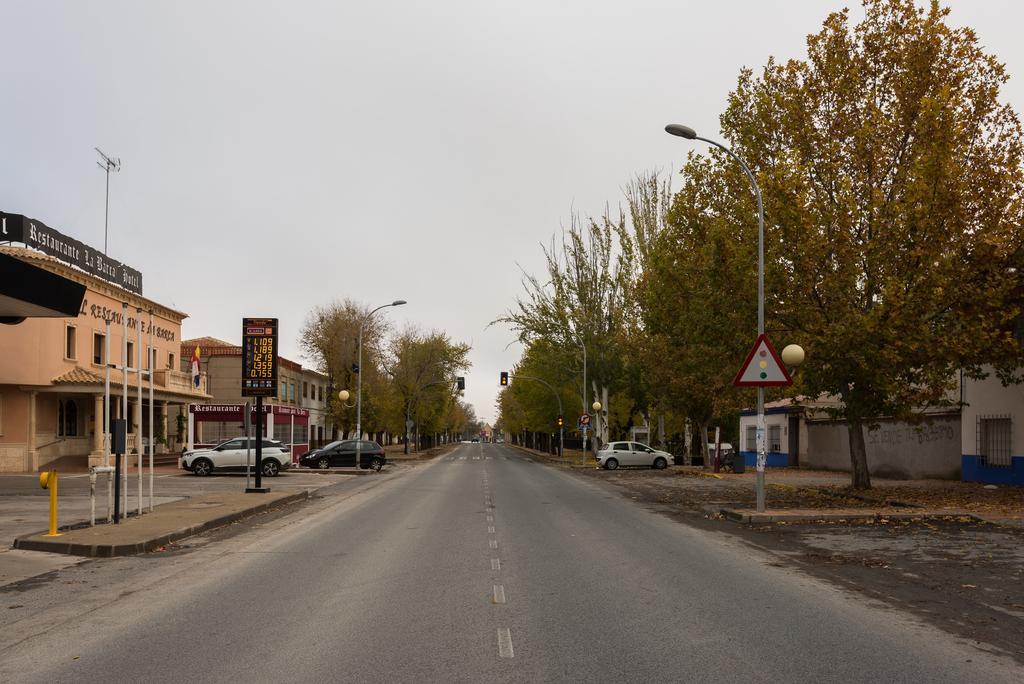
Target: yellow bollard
[{"x": 48, "y": 480}]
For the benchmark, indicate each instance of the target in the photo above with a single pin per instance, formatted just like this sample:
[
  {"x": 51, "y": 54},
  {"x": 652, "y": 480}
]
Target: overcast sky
[{"x": 278, "y": 156}]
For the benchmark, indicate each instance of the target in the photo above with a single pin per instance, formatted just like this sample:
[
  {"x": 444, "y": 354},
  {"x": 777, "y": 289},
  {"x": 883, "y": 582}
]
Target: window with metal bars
[{"x": 995, "y": 440}]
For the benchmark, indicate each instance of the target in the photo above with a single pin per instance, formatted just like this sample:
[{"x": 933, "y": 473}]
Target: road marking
[
  {"x": 494, "y": 543},
  {"x": 499, "y": 593},
  {"x": 505, "y": 643},
  {"x": 490, "y": 518},
  {"x": 495, "y": 564},
  {"x": 490, "y": 530}
]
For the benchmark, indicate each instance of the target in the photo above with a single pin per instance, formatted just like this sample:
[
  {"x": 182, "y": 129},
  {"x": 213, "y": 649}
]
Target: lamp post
[
  {"x": 690, "y": 134},
  {"x": 579, "y": 338},
  {"x": 359, "y": 380}
]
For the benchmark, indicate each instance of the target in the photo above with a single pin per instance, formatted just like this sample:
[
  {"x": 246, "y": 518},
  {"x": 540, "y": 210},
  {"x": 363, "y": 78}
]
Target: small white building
[{"x": 992, "y": 432}]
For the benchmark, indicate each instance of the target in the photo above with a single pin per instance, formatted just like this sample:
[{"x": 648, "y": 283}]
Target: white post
[
  {"x": 106, "y": 419},
  {"x": 124, "y": 405},
  {"x": 291, "y": 440},
  {"x": 190, "y": 445},
  {"x": 139, "y": 439},
  {"x": 152, "y": 434},
  {"x": 270, "y": 422}
]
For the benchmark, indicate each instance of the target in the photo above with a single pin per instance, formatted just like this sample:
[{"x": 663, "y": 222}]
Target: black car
[{"x": 342, "y": 454}]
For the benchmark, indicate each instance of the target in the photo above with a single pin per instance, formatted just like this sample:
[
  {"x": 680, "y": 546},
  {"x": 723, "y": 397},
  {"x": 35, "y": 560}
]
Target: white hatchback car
[
  {"x": 230, "y": 455},
  {"x": 614, "y": 454}
]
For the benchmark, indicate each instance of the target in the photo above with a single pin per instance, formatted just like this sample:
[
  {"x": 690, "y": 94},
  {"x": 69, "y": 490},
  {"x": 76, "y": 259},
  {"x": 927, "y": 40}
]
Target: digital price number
[{"x": 259, "y": 357}]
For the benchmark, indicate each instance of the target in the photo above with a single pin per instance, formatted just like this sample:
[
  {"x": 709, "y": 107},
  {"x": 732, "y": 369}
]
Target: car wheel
[
  {"x": 660, "y": 463},
  {"x": 271, "y": 468},
  {"x": 202, "y": 467},
  {"x": 611, "y": 464},
  {"x": 377, "y": 464},
  {"x": 324, "y": 463}
]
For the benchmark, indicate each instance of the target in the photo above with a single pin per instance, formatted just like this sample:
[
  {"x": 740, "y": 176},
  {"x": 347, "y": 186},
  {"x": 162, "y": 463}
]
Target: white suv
[
  {"x": 230, "y": 455},
  {"x": 614, "y": 454}
]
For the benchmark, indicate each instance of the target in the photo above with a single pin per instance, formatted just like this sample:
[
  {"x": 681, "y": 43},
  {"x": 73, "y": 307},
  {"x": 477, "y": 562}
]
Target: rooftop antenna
[{"x": 109, "y": 164}]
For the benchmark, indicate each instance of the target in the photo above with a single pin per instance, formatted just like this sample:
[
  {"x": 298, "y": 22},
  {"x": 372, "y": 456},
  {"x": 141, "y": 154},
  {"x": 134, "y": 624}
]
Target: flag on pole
[{"x": 195, "y": 367}]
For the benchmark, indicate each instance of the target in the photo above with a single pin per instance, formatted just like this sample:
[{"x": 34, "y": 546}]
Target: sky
[{"x": 278, "y": 156}]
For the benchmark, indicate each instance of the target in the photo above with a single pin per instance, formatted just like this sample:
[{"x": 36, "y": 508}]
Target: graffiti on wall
[{"x": 902, "y": 434}]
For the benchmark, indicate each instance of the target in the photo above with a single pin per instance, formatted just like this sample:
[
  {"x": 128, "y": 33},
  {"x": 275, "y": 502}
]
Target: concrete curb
[
  {"x": 31, "y": 542},
  {"x": 741, "y": 516},
  {"x": 548, "y": 458}
]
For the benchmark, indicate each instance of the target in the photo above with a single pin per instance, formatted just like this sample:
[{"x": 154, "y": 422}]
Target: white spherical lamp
[
  {"x": 596, "y": 406},
  {"x": 793, "y": 355},
  {"x": 343, "y": 395}
]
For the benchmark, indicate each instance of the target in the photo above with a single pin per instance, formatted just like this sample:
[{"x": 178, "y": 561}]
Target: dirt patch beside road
[{"x": 957, "y": 573}]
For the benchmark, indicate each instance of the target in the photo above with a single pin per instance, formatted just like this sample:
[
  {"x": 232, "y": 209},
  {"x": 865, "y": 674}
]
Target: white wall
[{"x": 896, "y": 449}]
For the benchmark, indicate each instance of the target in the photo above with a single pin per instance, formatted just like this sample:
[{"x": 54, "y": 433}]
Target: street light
[
  {"x": 579, "y": 338},
  {"x": 359, "y": 380},
  {"x": 690, "y": 134}
]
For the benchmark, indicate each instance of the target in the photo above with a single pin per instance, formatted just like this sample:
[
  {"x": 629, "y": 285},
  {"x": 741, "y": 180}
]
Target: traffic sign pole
[{"x": 762, "y": 368}]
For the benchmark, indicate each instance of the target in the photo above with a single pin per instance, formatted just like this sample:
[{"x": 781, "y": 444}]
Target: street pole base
[{"x": 257, "y": 490}]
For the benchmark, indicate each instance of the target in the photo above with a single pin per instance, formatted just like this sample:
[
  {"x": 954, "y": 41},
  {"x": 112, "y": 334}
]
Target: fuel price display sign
[{"x": 259, "y": 357}]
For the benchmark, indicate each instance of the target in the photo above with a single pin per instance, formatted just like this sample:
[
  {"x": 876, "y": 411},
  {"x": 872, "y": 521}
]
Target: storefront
[{"x": 211, "y": 424}]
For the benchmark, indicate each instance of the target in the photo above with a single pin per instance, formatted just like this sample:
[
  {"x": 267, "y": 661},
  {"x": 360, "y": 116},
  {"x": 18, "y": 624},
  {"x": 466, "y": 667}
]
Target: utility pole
[{"x": 109, "y": 164}]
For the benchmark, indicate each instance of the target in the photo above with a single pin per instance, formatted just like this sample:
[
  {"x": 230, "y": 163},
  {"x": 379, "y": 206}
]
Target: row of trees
[
  {"x": 407, "y": 376},
  {"x": 892, "y": 184}
]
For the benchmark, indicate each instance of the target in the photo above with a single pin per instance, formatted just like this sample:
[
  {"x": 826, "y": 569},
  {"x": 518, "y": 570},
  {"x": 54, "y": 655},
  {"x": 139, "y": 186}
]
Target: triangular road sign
[{"x": 763, "y": 367}]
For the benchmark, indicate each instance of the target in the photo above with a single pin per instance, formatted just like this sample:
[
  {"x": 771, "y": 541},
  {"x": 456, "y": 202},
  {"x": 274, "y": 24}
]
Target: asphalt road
[{"x": 480, "y": 566}]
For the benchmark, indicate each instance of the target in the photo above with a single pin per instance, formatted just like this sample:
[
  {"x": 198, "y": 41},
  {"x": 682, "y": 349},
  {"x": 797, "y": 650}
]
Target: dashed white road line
[
  {"x": 499, "y": 593},
  {"x": 490, "y": 530},
  {"x": 505, "y": 643},
  {"x": 490, "y": 518},
  {"x": 494, "y": 543},
  {"x": 495, "y": 564}
]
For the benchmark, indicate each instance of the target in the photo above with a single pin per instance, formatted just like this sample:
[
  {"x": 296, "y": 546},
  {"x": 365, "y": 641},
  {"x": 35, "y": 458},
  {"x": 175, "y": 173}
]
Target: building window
[
  {"x": 291, "y": 392},
  {"x": 320, "y": 392},
  {"x": 98, "y": 340},
  {"x": 152, "y": 357},
  {"x": 775, "y": 438},
  {"x": 994, "y": 434},
  {"x": 130, "y": 361},
  {"x": 284, "y": 391},
  {"x": 751, "y": 438},
  {"x": 67, "y": 418},
  {"x": 70, "y": 347},
  {"x": 170, "y": 360},
  {"x": 305, "y": 390}
]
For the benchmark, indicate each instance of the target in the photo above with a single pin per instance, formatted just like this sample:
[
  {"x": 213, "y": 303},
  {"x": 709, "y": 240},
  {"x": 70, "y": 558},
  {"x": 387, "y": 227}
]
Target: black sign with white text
[{"x": 35, "y": 234}]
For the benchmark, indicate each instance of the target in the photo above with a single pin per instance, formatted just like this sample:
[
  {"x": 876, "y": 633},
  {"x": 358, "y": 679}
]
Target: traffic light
[
  {"x": 504, "y": 379},
  {"x": 460, "y": 382},
  {"x": 561, "y": 420}
]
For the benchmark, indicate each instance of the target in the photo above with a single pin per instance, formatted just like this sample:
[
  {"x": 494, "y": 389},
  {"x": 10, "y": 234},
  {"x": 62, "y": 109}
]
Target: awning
[{"x": 27, "y": 291}]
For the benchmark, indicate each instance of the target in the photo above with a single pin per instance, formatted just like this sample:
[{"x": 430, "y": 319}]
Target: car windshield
[{"x": 331, "y": 445}]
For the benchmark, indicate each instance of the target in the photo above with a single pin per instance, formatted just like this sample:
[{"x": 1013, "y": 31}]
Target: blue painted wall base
[
  {"x": 974, "y": 469},
  {"x": 775, "y": 459}
]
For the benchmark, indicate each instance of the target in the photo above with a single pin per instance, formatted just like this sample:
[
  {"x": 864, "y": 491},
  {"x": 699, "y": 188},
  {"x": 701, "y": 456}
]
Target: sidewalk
[{"x": 167, "y": 523}]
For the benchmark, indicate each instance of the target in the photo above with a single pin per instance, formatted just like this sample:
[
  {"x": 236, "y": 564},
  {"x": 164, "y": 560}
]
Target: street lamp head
[
  {"x": 793, "y": 355},
  {"x": 398, "y": 302},
  {"x": 343, "y": 395},
  {"x": 596, "y": 406},
  {"x": 682, "y": 131}
]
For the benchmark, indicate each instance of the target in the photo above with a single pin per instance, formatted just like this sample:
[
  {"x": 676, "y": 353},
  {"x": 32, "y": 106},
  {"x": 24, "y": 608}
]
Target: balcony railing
[{"x": 180, "y": 381}]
